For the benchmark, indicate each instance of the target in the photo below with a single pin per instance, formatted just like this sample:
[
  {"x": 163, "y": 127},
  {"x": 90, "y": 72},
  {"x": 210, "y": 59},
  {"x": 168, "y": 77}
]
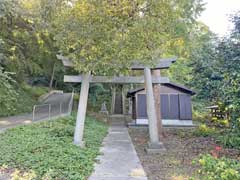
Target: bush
[
  {"x": 204, "y": 130},
  {"x": 8, "y": 94},
  {"x": 229, "y": 139},
  {"x": 46, "y": 149},
  {"x": 212, "y": 168},
  {"x": 34, "y": 91},
  {"x": 200, "y": 112},
  {"x": 13, "y": 99},
  {"x": 218, "y": 122}
]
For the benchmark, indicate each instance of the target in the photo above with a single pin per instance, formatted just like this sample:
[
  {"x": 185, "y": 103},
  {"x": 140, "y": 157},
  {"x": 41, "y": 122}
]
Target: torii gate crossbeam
[
  {"x": 148, "y": 79},
  {"x": 116, "y": 80}
]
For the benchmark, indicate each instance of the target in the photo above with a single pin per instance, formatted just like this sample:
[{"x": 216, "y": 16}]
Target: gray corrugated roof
[{"x": 173, "y": 85}]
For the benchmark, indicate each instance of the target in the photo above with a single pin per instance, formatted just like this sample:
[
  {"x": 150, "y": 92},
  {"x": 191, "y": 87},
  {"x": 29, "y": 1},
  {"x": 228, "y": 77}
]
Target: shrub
[
  {"x": 229, "y": 139},
  {"x": 218, "y": 122},
  {"x": 13, "y": 99},
  {"x": 200, "y": 112},
  {"x": 8, "y": 94},
  {"x": 34, "y": 91},
  {"x": 204, "y": 130},
  {"x": 212, "y": 168}
]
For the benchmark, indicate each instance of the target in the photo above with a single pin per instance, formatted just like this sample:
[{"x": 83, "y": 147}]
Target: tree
[
  {"x": 107, "y": 36},
  {"x": 216, "y": 70},
  {"x": 26, "y": 48}
]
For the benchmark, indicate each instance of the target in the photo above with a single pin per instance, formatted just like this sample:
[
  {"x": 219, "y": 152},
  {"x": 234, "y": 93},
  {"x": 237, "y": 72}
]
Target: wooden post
[
  {"x": 154, "y": 144},
  {"x": 82, "y": 108},
  {"x": 130, "y": 111},
  {"x": 123, "y": 100},
  {"x": 113, "y": 99},
  {"x": 157, "y": 98}
]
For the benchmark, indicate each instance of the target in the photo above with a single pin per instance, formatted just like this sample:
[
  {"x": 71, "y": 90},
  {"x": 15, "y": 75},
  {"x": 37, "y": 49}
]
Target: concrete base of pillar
[
  {"x": 155, "y": 148},
  {"x": 80, "y": 144}
]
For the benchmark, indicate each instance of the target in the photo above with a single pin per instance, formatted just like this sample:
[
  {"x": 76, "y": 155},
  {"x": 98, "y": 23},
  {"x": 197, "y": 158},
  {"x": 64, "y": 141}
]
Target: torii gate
[{"x": 148, "y": 79}]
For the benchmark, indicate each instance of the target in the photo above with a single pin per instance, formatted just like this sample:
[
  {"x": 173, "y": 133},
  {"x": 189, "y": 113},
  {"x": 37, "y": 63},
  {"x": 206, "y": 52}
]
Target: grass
[{"x": 46, "y": 149}]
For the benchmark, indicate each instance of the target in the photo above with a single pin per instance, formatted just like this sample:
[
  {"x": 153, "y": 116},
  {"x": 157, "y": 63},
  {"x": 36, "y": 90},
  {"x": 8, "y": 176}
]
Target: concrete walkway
[
  {"x": 119, "y": 160},
  {"x": 25, "y": 119},
  {"x": 13, "y": 121},
  {"x": 43, "y": 114}
]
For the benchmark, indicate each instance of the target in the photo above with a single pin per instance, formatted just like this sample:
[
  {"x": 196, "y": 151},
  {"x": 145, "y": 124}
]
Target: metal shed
[{"x": 176, "y": 106}]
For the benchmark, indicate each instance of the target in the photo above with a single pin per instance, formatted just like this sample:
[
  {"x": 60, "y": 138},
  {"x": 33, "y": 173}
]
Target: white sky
[{"x": 216, "y": 15}]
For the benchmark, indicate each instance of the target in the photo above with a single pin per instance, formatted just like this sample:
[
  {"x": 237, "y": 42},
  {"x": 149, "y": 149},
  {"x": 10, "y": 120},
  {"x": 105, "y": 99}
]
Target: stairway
[{"x": 117, "y": 120}]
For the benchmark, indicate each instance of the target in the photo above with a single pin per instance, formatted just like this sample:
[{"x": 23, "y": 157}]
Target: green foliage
[
  {"x": 12, "y": 97},
  {"x": 34, "y": 91},
  {"x": 26, "y": 48},
  {"x": 218, "y": 122},
  {"x": 200, "y": 112},
  {"x": 205, "y": 77},
  {"x": 212, "y": 168},
  {"x": 216, "y": 70},
  {"x": 230, "y": 139},
  {"x": 204, "y": 130},
  {"x": 8, "y": 94},
  {"x": 227, "y": 137},
  {"x": 107, "y": 36},
  {"x": 99, "y": 93},
  {"x": 46, "y": 148}
]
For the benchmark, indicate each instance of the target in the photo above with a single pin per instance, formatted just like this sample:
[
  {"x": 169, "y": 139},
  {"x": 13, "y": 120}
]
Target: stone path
[{"x": 119, "y": 160}]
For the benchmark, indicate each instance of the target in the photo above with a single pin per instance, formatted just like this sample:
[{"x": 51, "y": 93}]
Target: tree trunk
[
  {"x": 157, "y": 98},
  {"x": 52, "y": 77}
]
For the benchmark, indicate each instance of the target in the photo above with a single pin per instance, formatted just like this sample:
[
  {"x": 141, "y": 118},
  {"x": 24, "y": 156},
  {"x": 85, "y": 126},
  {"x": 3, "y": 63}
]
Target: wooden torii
[{"x": 147, "y": 79}]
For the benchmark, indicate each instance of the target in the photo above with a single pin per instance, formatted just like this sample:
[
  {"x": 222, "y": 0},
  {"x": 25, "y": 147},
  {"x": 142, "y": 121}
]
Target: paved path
[
  {"x": 119, "y": 160},
  {"x": 42, "y": 114},
  {"x": 8, "y": 122}
]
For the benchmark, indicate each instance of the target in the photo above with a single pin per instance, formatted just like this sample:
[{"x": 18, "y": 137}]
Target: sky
[{"x": 216, "y": 15}]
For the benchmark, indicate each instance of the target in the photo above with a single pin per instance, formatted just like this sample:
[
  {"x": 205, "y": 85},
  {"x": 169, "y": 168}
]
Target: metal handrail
[
  {"x": 48, "y": 112},
  {"x": 40, "y": 105}
]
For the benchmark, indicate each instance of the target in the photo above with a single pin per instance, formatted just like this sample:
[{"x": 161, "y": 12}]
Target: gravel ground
[{"x": 181, "y": 149}]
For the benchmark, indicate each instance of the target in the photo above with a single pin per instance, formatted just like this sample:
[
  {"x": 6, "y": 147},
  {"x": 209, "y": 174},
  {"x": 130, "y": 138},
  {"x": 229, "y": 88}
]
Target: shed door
[
  {"x": 174, "y": 106},
  {"x": 185, "y": 107},
  {"x": 170, "y": 106},
  {"x": 164, "y": 106},
  {"x": 141, "y": 106}
]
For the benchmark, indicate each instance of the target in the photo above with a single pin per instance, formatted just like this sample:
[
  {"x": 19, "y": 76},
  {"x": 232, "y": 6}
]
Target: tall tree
[
  {"x": 26, "y": 45},
  {"x": 106, "y": 36},
  {"x": 216, "y": 70}
]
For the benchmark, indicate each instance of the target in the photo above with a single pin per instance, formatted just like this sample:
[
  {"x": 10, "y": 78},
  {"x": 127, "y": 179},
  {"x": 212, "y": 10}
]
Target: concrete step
[{"x": 117, "y": 120}]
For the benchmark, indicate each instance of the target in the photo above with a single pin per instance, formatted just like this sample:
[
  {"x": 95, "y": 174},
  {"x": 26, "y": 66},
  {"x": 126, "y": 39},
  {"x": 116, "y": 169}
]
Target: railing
[{"x": 52, "y": 110}]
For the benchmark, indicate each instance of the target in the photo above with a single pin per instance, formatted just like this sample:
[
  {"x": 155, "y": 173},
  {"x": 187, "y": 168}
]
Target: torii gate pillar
[
  {"x": 154, "y": 144},
  {"x": 81, "y": 114}
]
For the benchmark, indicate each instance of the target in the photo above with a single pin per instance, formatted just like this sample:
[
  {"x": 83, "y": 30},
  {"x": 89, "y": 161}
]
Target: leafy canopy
[
  {"x": 107, "y": 36},
  {"x": 216, "y": 70}
]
